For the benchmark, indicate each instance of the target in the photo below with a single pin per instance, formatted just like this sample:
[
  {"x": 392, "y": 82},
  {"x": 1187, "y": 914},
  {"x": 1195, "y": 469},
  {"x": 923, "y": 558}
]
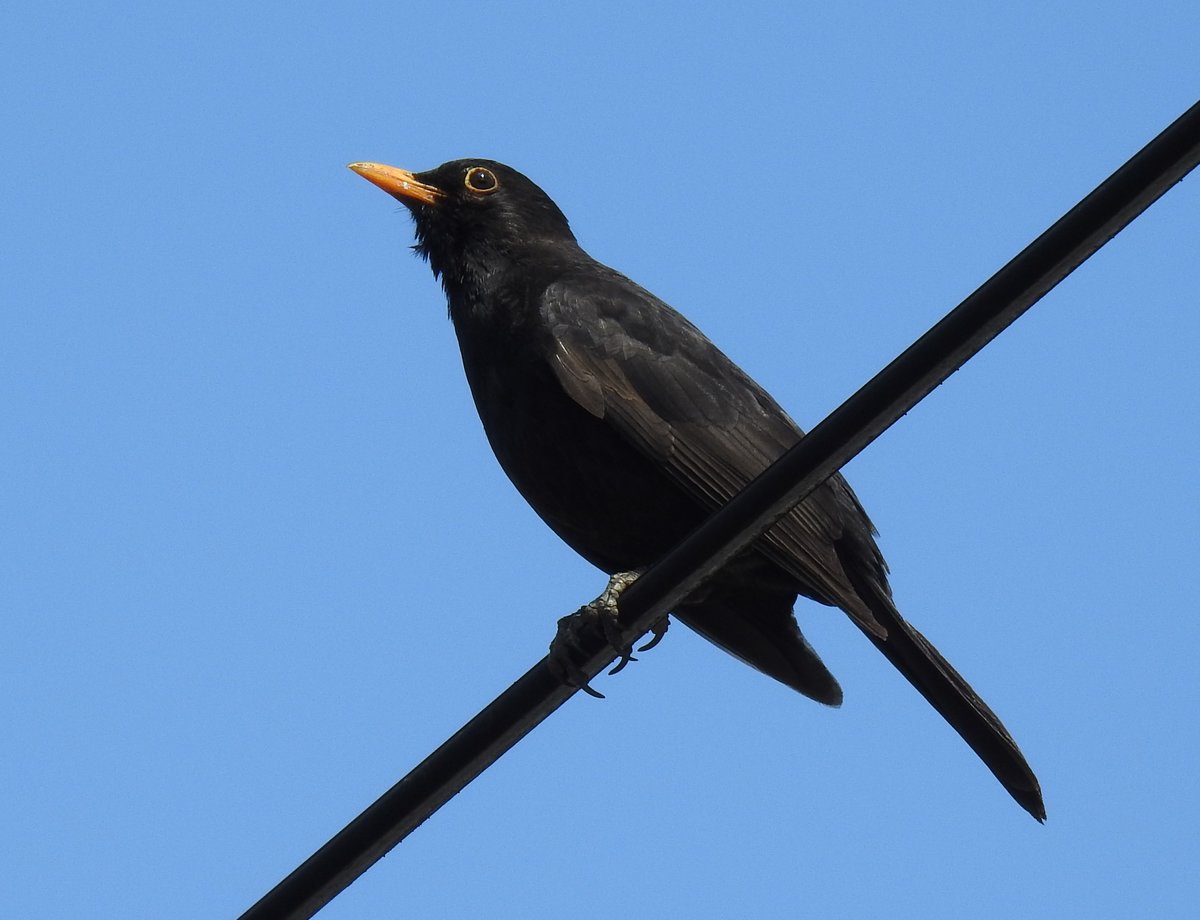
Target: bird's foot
[
  {"x": 575, "y": 637},
  {"x": 599, "y": 616}
]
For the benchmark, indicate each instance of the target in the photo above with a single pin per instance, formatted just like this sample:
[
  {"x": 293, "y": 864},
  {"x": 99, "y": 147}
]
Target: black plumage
[{"x": 624, "y": 427}]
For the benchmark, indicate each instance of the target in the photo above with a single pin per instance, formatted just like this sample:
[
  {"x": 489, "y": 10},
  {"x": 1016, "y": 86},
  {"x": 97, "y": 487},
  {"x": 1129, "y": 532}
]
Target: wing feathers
[{"x": 710, "y": 435}]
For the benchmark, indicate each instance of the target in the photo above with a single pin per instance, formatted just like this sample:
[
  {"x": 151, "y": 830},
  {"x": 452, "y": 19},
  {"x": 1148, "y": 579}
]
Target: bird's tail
[
  {"x": 923, "y": 665},
  {"x": 757, "y": 626}
]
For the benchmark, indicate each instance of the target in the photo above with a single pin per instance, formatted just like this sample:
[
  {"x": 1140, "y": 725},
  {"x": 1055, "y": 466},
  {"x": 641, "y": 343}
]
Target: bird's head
[{"x": 473, "y": 217}]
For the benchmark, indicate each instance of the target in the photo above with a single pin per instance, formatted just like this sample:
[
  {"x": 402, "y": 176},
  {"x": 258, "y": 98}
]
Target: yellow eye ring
[{"x": 481, "y": 181}]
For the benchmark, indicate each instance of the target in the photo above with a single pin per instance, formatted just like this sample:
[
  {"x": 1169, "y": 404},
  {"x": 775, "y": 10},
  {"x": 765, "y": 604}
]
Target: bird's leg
[
  {"x": 607, "y": 607},
  {"x": 612, "y": 594},
  {"x": 599, "y": 614}
]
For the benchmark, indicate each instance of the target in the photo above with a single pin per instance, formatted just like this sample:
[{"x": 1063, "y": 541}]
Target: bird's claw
[
  {"x": 626, "y": 657},
  {"x": 600, "y": 614},
  {"x": 659, "y": 630},
  {"x": 569, "y": 643}
]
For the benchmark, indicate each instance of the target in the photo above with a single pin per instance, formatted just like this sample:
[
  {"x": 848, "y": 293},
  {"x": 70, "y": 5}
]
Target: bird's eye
[{"x": 482, "y": 180}]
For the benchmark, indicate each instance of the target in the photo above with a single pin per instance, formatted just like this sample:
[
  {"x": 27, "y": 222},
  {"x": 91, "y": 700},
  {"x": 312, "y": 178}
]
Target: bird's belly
[{"x": 601, "y": 495}]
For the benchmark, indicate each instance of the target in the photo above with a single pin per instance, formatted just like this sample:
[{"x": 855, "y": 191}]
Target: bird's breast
[{"x": 602, "y": 496}]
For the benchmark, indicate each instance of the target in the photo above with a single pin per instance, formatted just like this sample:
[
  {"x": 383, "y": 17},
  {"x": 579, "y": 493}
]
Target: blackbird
[{"x": 624, "y": 428}]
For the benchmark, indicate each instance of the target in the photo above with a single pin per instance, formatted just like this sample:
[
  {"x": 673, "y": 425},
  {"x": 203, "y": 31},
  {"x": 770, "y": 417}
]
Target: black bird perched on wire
[{"x": 624, "y": 428}]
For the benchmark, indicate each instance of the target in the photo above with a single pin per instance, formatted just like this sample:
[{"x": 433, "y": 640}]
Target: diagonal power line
[{"x": 850, "y": 428}]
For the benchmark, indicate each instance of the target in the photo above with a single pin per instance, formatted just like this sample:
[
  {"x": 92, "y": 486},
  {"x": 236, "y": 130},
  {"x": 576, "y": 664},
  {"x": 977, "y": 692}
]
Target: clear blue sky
[{"x": 257, "y": 560}]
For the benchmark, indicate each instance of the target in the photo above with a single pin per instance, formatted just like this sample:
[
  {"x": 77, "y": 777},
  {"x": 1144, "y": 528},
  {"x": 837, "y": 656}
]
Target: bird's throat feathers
[
  {"x": 468, "y": 262},
  {"x": 481, "y": 270}
]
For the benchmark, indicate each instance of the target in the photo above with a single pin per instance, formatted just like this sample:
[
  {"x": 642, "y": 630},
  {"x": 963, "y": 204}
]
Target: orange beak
[{"x": 399, "y": 183}]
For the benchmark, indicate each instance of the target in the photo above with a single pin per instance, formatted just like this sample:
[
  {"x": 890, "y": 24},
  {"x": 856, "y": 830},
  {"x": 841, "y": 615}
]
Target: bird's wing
[{"x": 627, "y": 357}]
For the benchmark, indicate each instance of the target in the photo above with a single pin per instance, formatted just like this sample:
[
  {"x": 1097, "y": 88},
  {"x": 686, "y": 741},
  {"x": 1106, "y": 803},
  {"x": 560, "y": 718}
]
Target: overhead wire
[{"x": 891, "y": 393}]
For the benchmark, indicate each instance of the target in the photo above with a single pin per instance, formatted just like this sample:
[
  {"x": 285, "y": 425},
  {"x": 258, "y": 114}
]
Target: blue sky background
[{"x": 257, "y": 560}]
